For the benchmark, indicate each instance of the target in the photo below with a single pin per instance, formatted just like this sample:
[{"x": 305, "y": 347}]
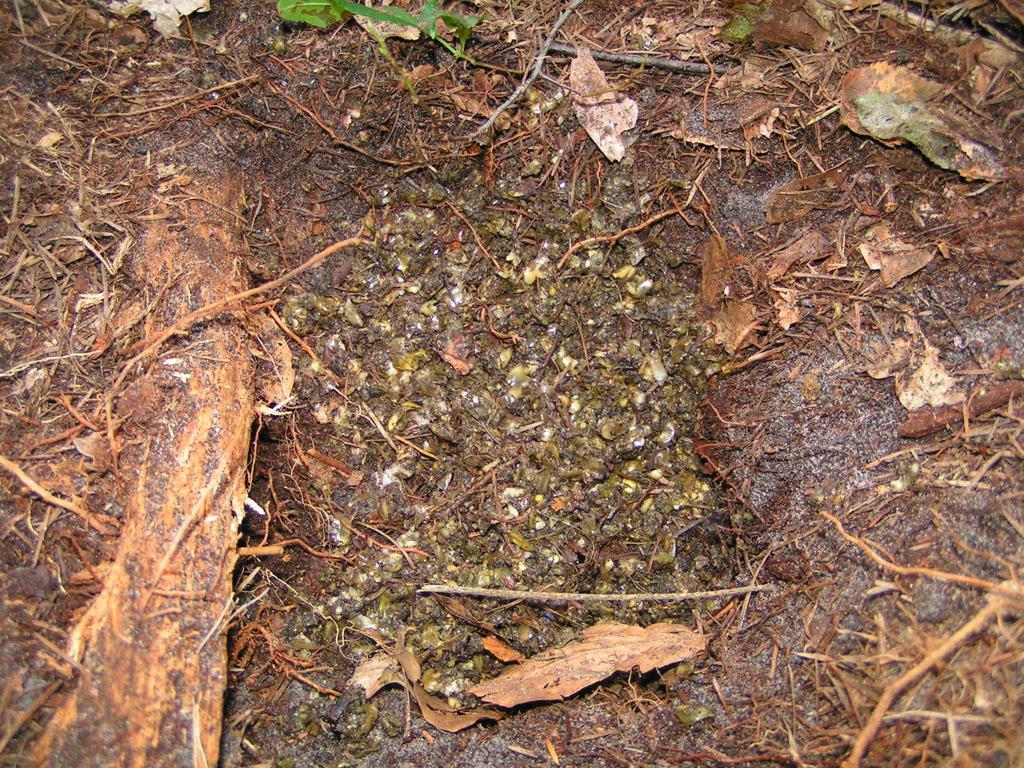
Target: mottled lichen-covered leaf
[
  {"x": 891, "y": 104},
  {"x": 603, "y": 112}
]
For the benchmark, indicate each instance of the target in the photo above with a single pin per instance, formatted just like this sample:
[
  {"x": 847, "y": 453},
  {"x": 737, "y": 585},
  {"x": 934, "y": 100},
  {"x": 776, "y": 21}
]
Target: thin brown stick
[
  {"x": 672, "y": 65},
  {"x": 49, "y": 498},
  {"x": 538, "y": 65},
  {"x": 585, "y": 597},
  {"x": 270, "y": 550},
  {"x": 616, "y": 237},
  {"x": 905, "y": 570},
  {"x": 936, "y": 656}
]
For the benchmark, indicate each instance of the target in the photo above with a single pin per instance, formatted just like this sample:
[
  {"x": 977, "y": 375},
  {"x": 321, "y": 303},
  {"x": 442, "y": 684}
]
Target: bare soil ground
[{"x": 473, "y": 398}]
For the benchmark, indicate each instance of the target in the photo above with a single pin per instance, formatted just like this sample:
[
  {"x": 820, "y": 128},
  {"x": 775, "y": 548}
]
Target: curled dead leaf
[
  {"x": 501, "y": 650},
  {"x": 891, "y": 256}
]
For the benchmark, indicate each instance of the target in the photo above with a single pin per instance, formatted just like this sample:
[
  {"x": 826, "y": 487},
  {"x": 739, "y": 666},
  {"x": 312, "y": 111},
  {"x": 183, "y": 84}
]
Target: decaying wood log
[{"x": 151, "y": 652}]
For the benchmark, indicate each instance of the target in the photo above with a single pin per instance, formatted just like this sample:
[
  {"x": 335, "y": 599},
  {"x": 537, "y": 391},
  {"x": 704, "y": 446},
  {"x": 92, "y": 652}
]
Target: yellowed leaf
[{"x": 603, "y": 650}]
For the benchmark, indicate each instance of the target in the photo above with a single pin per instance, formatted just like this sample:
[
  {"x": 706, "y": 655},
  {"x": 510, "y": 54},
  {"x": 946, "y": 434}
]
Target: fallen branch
[
  {"x": 586, "y": 597},
  {"x": 927, "y": 421},
  {"x": 150, "y": 649},
  {"x": 634, "y": 59}
]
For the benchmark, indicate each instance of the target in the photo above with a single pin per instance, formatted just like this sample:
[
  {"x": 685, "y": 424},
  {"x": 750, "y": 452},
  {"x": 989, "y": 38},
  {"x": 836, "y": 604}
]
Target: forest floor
[{"x": 762, "y": 351}]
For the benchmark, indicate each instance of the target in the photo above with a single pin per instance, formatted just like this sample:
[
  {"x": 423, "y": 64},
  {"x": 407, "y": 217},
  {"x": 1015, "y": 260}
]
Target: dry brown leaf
[
  {"x": 926, "y": 382},
  {"x": 603, "y": 650},
  {"x": 788, "y": 23},
  {"x": 603, "y": 113},
  {"x": 399, "y": 666},
  {"x": 436, "y": 711},
  {"x": 795, "y": 199},
  {"x": 703, "y": 134},
  {"x": 501, "y": 650},
  {"x": 735, "y": 324},
  {"x": 471, "y": 105},
  {"x": 455, "y": 355},
  {"x": 807, "y": 248},
  {"x": 891, "y": 256},
  {"x": 786, "y": 310},
  {"x": 166, "y": 14},
  {"x": 375, "y": 673}
]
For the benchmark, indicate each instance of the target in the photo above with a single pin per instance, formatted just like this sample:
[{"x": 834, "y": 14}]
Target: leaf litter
[{"x": 603, "y": 650}]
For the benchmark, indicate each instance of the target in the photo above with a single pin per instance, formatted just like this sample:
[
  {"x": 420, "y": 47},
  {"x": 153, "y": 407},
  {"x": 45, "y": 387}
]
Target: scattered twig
[
  {"x": 20, "y": 720},
  {"x": 615, "y": 237},
  {"x": 277, "y": 548},
  {"x": 927, "y": 421},
  {"x": 904, "y": 570},
  {"x": 49, "y": 498},
  {"x": 934, "y": 657},
  {"x": 672, "y": 65},
  {"x": 538, "y": 65},
  {"x": 220, "y": 88},
  {"x": 586, "y": 597}
]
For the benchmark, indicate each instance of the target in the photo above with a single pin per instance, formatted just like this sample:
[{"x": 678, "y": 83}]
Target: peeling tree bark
[{"x": 151, "y": 653}]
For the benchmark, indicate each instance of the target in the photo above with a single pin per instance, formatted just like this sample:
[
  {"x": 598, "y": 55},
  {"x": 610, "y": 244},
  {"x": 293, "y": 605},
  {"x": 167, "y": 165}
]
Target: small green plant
[{"x": 323, "y": 13}]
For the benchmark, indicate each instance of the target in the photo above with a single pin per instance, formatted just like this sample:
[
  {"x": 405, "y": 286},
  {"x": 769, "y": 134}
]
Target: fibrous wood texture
[{"x": 151, "y": 653}]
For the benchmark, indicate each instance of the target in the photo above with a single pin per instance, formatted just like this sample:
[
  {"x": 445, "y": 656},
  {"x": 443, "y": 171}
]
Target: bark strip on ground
[{"x": 151, "y": 653}]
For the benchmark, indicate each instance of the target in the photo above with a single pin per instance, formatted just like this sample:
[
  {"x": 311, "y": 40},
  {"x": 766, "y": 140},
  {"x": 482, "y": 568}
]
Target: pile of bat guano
[{"x": 542, "y": 421}]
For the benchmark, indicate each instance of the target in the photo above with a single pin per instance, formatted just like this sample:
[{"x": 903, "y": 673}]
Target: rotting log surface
[{"x": 152, "y": 656}]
